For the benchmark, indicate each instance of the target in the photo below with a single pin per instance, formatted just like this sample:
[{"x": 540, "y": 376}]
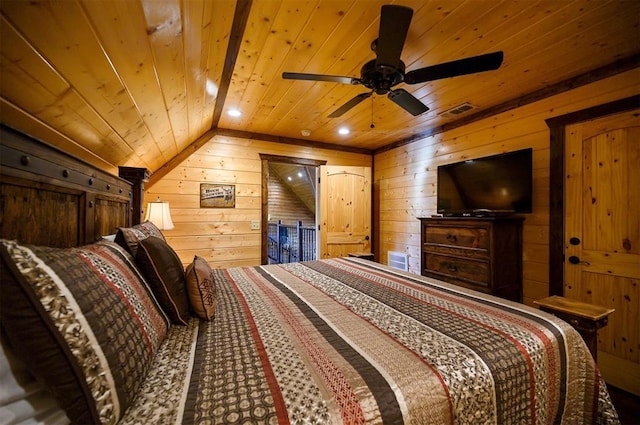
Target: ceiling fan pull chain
[{"x": 372, "y": 124}]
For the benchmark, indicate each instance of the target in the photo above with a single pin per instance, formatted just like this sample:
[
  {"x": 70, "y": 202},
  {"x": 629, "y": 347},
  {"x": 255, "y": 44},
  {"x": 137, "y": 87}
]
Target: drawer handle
[
  {"x": 451, "y": 237},
  {"x": 452, "y": 268}
]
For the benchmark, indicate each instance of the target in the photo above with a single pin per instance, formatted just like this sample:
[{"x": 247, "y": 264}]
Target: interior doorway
[
  {"x": 289, "y": 205},
  {"x": 291, "y": 209}
]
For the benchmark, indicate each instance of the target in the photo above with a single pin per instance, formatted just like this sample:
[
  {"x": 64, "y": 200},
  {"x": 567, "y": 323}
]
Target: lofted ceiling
[{"x": 138, "y": 82}]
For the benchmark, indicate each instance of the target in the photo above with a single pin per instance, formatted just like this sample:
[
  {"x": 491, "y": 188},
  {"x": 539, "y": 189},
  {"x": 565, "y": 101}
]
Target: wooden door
[
  {"x": 345, "y": 210},
  {"x": 602, "y": 236}
]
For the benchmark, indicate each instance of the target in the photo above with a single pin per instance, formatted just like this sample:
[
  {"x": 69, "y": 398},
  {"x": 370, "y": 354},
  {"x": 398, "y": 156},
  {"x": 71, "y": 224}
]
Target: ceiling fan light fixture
[{"x": 382, "y": 74}]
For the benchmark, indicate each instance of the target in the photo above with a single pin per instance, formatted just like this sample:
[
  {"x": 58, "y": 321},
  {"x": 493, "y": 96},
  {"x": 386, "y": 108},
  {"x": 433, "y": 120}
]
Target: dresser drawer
[
  {"x": 481, "y": 253},
  {"x": 460, "y": 237},
  {"x": 473, "y": 271}
]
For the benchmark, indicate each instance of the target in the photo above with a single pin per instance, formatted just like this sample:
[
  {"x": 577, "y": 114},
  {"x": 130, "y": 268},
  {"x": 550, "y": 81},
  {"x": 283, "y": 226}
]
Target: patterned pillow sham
[
  {"x": 84, "y": 321},
  {"x": 202, "y": 292},
  {"x": 128, "y": 237},
  {"x": 162, "y": 267}
]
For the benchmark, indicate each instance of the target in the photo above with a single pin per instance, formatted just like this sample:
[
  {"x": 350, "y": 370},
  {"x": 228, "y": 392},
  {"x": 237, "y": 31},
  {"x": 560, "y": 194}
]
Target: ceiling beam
[
  {"x": 290, "y": 141},
  {"x": 240, "y": 18}
]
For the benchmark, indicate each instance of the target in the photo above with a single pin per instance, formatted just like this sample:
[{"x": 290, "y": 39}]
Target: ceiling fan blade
[
  {"x": 319, "y": 77},
  {"x": 350, "y": 104},
  {"x": 466, "y": 66},
  {"x": 408, "y": 102},
  {"x": 394, "y": 25}
]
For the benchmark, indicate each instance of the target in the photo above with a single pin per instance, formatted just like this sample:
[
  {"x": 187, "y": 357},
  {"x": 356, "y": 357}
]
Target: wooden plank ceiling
[{"x": 137, "y": 82}]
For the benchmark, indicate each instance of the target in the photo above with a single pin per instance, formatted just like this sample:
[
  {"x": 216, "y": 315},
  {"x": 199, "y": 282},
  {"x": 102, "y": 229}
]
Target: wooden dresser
[{"x": 484, "y": 254}]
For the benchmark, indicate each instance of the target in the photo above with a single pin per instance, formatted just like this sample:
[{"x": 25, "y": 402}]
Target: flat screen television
[{"x": 492, "y": 185}]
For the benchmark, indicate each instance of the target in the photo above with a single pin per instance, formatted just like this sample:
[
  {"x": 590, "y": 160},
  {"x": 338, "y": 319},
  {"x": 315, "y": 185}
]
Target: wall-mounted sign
[{"x": 217, "y": 195}]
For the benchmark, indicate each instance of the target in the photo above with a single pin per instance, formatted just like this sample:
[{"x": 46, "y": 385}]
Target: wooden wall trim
[
  {"x": 557, "y": 127},
  {"x": 290, "y": 141},
  {"x": 293, "y": 160},
  {"x": 603, "y": 72},
  {"x": 264, "y": 216}
]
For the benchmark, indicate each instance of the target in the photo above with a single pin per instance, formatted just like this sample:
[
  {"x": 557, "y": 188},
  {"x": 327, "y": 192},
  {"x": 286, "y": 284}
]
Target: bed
[{"x": 116, "y": 331}]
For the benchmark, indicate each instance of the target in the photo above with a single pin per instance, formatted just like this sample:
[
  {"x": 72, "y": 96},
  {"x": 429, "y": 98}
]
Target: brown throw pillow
[
  {"x": 128, "y": 237},
  {"x": 161, "y": 266},
  {"x": 202, "y": 292}
]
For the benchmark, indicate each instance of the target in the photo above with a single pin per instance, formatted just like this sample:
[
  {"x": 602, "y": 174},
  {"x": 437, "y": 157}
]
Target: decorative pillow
[
  {"x": 84, "y": 321},
  {"x": 202, "y": 292},
  {"x": 163, "y": 269},
  {"x": 128, "y": 237}
]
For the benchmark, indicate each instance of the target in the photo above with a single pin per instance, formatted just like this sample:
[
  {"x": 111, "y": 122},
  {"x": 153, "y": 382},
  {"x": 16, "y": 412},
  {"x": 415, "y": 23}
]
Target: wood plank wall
[
  {"x": 223, "y": 236},
  {"x": 405, "y": 177},
  {"x": 285, "y": 206}
]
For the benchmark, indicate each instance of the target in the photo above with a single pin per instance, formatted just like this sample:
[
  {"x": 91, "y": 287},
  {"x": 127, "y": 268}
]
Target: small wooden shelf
[
  {"x": 584, "y": 317},
  {"x": 579, "y": 308}
]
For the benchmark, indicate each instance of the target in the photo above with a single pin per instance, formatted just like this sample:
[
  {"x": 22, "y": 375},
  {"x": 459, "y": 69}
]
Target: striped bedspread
[{"x": 348, "y": 341}]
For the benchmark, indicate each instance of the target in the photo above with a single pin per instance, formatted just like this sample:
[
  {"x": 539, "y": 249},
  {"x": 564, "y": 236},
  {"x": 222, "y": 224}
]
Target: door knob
[{"x": 576, "y": 260}]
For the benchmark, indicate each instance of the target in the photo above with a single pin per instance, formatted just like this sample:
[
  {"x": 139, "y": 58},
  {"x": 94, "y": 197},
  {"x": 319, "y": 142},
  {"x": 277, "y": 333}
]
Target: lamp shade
[{"x": 158, "y": 213}]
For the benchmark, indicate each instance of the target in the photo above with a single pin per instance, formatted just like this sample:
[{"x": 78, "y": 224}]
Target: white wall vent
[
  {"x": 457, "y": 110},
  {"x": 398, "y": 260}
]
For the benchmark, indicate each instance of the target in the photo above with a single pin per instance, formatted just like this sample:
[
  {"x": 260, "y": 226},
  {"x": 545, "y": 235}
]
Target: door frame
[
  {"x": 265, "y": 159},
  {"x": 557, "y": 127}
]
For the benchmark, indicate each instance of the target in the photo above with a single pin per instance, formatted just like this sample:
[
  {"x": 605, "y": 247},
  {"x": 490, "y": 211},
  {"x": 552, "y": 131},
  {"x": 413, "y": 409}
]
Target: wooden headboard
[{"x": 48, "y": 197}]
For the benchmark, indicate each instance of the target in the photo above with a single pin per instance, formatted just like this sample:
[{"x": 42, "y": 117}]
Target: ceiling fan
[{"x": 380, "y": 75}]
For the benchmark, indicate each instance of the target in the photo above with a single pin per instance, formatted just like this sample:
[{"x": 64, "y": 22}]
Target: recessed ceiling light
[
  {"x": 234, "y": 112},
  {"x": 343, "y": 131},
  {"x": 306, "y": 133}
]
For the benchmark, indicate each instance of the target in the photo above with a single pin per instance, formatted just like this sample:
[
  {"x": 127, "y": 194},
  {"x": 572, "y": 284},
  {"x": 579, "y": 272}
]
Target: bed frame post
[{"x": 137, "y": 177}]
